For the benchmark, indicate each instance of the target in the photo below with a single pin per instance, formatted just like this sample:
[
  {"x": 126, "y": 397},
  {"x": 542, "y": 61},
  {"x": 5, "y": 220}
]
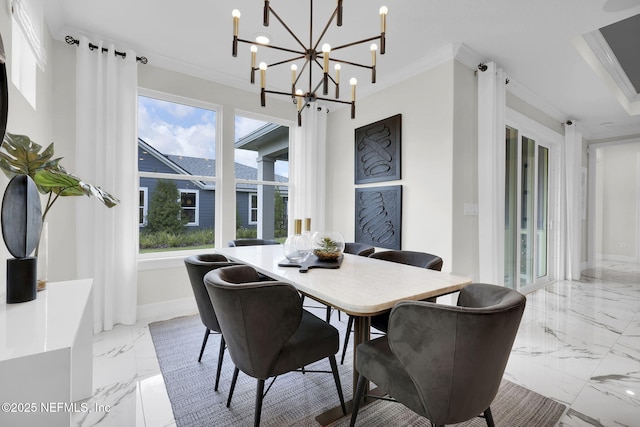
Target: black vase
[{"x": 21, "y": 279}]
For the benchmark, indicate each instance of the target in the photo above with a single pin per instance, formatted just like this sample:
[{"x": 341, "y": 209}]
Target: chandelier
[{"x": 312, "y": 54}]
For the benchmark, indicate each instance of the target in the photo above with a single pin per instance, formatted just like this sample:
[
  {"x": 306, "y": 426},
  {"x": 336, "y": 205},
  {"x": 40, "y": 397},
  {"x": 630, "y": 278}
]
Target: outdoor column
[{"x": 266, "y": 198}]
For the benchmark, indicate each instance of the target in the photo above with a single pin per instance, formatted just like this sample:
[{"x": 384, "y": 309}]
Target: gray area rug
[{"x": 296, "y": 399}]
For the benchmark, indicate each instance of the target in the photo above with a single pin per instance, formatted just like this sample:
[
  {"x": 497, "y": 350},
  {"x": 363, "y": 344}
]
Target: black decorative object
[
  {"x": 21, "y": 223},
  {"x": 377, "y": 151},
  {"x": 379, "y": 216},
  {"x": 4, "y": 91},
  {"x": 312, "y": 262}
]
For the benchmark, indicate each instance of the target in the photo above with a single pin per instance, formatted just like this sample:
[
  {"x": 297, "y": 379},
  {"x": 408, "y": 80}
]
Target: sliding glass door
[{"x": 526, "y": 210}]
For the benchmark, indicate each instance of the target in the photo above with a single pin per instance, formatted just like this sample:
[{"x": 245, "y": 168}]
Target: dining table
[{"x": 356, "y": 285}]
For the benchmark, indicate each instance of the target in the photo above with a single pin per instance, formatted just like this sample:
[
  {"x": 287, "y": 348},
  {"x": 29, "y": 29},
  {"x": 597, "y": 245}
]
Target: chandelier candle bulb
[
  {"x": 383, "y": 19},
  {"x": 294, "y": 68},
  {"x": 383, "y": 28},
  {"x": 353, "y": 82},
  {"x": 263, "y": 74},
  {"x": 326, "y": 48},
  {"x": 300, "y": 99},
  {"x": 263, "y": 83},
  {"x": 337, "y": 68},
  {"x": 374, "y": 48},
  {"x": 254, "y": 50},
  {"x": 236, "y": 23}
]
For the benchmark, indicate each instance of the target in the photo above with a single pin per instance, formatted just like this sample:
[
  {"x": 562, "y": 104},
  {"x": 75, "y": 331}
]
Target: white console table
[{"x": 46, "y": 355}]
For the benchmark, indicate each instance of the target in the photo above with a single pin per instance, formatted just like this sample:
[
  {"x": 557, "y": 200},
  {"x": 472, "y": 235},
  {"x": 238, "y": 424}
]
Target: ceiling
[{"x": 542, "y": 45}]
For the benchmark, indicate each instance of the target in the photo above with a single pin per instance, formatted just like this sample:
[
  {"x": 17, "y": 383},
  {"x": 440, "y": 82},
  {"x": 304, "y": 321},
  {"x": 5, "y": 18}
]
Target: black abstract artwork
[
  {"x": 379, "y": 216},
  {"x": 377, "y": 151}
]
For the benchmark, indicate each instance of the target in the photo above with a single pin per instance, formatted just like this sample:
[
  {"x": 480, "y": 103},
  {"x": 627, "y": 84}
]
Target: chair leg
[
  {"x": 489, "y": 417},
  {"x": 220, "y": 358},
  {"x": 233, "y": 385},
  {"x": 346, "y": 338},
  {"x": 204, "y": 343},
  {"x": 259, "y": 396},
  {"x": 328, "y": 314},
  {"x": 357, "y": 399},
  {"x": 336, "y": 378}
]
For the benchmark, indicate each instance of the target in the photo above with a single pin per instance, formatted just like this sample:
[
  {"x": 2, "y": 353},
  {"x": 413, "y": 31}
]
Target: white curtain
[
  {"x": 491, "y": 140},
  {"x": 571, "y": 193},
  {"x": 106, "y": 131},
  {"x": 308, "y": 180}
]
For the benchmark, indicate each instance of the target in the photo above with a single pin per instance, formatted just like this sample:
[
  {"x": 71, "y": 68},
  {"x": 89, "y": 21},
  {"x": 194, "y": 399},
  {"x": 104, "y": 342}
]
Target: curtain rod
[{"x": 70, "y": 40}]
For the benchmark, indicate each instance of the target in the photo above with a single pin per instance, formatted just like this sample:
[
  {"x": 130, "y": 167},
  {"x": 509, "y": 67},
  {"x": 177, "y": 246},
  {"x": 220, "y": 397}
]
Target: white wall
[
  {"x": 426, "y": 103},
  {"x": 618, "y": 222}
]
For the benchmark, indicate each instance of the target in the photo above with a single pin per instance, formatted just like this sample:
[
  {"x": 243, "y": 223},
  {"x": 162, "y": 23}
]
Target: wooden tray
[{"x": 312, "y": 262}]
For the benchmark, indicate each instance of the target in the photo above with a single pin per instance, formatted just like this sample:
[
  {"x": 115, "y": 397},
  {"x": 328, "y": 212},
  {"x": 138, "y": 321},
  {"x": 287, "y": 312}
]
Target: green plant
[
  {"x": 21, "y": 156},
  {"x": 164, "y": 208},
  {"x": 164, "y": 240},
  {"x": 327, "y": 249}
]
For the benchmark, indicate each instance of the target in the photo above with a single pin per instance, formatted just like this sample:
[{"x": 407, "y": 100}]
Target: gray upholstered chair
[
  {"x": 355, "y": 248},
  {"x": 444, "y": 362},
  {"x": 266, "y": 330},
  {"x": 252, "y": 242},
  {"x": 416, "y": 259},
  {"x": 197, "y": 267}
]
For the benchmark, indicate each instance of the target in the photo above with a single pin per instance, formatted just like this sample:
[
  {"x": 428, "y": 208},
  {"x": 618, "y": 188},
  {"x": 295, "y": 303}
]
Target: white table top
[
  {"x": 361, "y": 286},
  {"x": 47, "y": 323}
]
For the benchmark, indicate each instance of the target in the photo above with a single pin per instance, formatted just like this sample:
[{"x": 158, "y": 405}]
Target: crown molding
[{"x": 597, "y": 53}]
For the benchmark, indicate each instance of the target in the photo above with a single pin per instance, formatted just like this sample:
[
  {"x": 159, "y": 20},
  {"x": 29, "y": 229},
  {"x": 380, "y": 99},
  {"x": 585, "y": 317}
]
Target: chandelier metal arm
[
  {"x": 250, "y": 42},
  {"x": 326, "y": 27},
  {"x": 286, "y": 27},
  {"x": 284, "y": 61},
  {"x": 355, "y": 64},
  {"x": 357, "y": 43}
]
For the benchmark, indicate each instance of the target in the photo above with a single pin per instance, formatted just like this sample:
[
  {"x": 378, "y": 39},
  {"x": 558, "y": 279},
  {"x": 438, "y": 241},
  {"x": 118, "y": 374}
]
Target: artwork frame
[
  {"x": 377, "y": 151},
  {"x": 378, "y": 216}
]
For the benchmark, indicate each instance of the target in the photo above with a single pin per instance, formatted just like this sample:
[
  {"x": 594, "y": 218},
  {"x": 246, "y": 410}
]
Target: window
[
  {"x": 144, "y": 202},
  {"x": 177, "y": 173},
  {"x": 262, "y": 170},
  {"x": 253, "y": 208},
  {"x": 189, "y": 205},
  {"x": 28, "y": 51}
]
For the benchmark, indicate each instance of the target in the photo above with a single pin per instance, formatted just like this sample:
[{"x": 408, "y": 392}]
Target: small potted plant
[{"x": 328, "y": 246}]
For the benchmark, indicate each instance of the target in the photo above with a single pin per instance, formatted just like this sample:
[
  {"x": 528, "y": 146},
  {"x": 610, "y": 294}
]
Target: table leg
[{"x": 361, "y": 333}]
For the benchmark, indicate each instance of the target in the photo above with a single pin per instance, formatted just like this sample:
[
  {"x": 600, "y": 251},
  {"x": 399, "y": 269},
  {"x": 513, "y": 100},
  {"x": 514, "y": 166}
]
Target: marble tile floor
[{"x": 578, "y": 343}]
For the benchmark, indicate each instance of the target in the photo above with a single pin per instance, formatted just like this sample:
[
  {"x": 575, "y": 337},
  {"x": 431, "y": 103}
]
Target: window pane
[
  {"x": 177, "y": 130},
  {"x": 511, "y": 209},
  {"x": 261, "y": 154},
  {"x": 527, "y": 183},
  {"x": 543, "y": 210},
  {"x": 188, "y": 200},
  {"x": 167, "y": 221},
  {"x": 272, "y": 211},
  {"x": 176, "y": 139}
]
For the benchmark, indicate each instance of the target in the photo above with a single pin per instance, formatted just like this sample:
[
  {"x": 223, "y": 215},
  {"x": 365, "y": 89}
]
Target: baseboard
[
  {"x": 618, "y": 258},
  {"x": 167, "y": 309}
]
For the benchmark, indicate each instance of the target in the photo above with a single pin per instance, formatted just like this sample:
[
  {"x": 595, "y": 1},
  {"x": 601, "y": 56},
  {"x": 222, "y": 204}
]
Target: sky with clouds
[{"x": 179, "y": 129}]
